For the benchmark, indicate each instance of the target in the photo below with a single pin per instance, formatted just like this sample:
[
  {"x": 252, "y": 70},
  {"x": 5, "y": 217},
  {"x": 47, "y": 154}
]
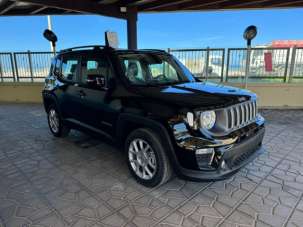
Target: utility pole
[
  {"x": 247, "y": 64},
  {"x": 49, "y": 26},
  {"x": 249, "y": 34}
]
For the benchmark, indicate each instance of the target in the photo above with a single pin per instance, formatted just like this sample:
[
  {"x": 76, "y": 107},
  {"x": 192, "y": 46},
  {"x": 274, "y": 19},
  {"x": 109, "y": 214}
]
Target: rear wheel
[
  {"x": 146, "y": 158},
  {"x": 55, "y": 123}
]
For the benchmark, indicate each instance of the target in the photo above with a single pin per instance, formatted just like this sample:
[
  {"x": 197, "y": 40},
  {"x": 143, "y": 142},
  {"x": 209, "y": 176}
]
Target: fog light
[
  {"x": 205, "y": 151},
  {"x": 205, "y": 157},
  {"x": 223, "y": 165}
]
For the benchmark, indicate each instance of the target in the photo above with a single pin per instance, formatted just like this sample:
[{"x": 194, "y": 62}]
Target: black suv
[{"x": 149, "y": 102}]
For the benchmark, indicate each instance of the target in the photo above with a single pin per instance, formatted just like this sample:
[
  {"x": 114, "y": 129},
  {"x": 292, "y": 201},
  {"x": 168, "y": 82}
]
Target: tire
[
  {"x": 155, "y": 156},
  {"x": 60, "y": 130}
]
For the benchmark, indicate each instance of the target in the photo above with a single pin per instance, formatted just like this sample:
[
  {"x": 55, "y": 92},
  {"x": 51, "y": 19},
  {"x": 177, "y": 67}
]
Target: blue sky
[{"x": 174, "y": 30}]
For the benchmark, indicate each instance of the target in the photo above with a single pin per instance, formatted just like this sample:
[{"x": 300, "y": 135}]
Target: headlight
[{"x": 208, "y": 119}]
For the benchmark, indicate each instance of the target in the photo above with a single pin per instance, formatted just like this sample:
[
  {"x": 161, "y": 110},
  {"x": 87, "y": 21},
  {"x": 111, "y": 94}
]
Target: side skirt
[{"x": 73, "y": 123}]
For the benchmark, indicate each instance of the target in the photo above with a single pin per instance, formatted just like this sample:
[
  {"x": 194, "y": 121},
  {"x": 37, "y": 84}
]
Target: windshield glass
[{"x": 150, "y": 68}]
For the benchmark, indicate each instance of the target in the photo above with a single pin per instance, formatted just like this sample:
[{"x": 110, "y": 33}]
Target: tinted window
[
  {"x": 133, "y": 70},
  {"x": 164, "y": 70},
  {"x": 153, "y": 68},
  {"x": 95, "y": 71},
  {"x": 69, "y": 69}
]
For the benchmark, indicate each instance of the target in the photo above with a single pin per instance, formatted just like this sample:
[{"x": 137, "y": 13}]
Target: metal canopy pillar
[{"x": 132, "y": 29}]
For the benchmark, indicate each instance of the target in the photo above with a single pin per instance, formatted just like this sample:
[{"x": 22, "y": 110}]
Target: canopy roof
[{"x": 120, "y": 8}]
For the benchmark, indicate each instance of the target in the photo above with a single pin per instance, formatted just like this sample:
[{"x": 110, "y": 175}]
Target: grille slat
[
  {"x": 241, "y": 114},
  {"x": 251, "y": 110},
  {"x": 246, "y": 112},
  {"x": 232, "y": 120},
  {"x": 254, "y": 109},
  {"x": 237, "y": 115}
]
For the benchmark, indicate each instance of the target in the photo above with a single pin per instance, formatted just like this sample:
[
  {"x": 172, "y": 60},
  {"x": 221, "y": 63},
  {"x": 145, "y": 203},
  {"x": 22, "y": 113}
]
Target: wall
[
  {"x": 277, "y": 95},
  {"x": 21, "y": 92},
  {"x": 270, "y": 95}
]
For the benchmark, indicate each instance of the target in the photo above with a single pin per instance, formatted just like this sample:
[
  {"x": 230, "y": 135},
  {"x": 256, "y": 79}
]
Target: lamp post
[
  {"x": 249, "y": 34},
  {"x": 52, "y": 38},
  {"x": 49, "y": 26}
]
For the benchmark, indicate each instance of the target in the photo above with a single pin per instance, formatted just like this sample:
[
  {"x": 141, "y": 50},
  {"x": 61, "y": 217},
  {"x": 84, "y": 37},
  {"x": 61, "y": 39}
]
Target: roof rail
[
  {"x": 84, "y": 47},
  {"x": 154, "y": 50}
]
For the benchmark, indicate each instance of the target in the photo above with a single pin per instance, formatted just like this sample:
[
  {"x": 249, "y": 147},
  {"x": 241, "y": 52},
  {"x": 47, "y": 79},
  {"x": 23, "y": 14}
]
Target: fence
[
  {"x": 24, "y": 66},
  {"x": 266, "y": 64},
  {"x": 275, "y": 69},
  {"x": 204, "y": 63},
  {"x": 296, "y": 69}
]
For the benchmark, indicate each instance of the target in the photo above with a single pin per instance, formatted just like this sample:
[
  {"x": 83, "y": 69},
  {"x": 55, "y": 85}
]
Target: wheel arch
[
  {"x": 48, "y": 100},
  {"x": 130, "y": 122}
]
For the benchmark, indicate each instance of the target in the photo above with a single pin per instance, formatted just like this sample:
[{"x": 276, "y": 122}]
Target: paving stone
[
  {"x": 114, "y": 220},
  {"x": 83, "y": 181}
]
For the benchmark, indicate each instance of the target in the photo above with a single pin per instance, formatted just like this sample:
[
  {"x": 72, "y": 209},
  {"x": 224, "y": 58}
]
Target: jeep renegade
[{"x": 166, "y": 119}]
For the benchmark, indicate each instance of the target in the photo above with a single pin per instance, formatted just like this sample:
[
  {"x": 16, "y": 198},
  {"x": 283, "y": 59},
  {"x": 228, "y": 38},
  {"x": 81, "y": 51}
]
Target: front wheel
[
  {"x": 55, "y": 123},
  {"x": 146, "y": 158}
]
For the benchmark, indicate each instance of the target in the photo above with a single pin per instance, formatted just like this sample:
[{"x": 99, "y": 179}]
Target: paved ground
[{"x": 81, "y": 181}]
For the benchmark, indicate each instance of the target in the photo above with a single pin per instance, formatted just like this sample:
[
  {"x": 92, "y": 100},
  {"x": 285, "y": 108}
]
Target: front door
[{"x": 68, "y": 73}]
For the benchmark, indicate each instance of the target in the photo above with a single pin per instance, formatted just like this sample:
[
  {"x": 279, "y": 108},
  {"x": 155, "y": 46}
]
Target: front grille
[{"x": 241, "y": 114}]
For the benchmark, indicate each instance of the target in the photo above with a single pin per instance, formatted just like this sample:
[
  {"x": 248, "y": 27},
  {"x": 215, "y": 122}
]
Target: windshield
[{"x": 151, "y": 68}]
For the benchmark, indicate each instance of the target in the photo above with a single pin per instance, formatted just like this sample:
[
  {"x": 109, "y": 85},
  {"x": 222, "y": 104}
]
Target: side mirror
[
  {"x": 50, "y": 36},
  {"x": 249, "y": 34}
]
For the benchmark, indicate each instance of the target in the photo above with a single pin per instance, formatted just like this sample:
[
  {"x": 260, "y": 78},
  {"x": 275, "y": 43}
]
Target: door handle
[{"x": 82, "y": 93}]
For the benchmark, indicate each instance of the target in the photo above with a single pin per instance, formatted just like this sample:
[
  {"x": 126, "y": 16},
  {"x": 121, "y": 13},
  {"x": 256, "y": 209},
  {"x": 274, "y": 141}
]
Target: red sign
[
  {"x": 287, "y": 43},
  {"x": 268, "y": 62}
]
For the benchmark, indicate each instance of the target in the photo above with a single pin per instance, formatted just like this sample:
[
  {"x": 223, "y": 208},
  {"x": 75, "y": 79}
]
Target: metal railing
[
  {"x": 24, "y": 66},
  {"x": 296, "y": 68},
  {"x": 204, "y": 63},
  {"x": 216, "y": 64},
  {"x": 274, "y": 70},
  {"x": 7, "y": 67},
  {"x": 266, "y": 64}
]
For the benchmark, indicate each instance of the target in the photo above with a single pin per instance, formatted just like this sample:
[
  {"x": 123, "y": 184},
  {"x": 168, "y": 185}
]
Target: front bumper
[{"x": 231, "y": 154}]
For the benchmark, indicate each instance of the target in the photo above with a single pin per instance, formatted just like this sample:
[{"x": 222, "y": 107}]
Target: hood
[{"x": 197, "y": 94}]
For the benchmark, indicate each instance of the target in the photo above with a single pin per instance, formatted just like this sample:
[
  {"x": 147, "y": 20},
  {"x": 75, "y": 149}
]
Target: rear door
[{"x": 95, "y": 110}]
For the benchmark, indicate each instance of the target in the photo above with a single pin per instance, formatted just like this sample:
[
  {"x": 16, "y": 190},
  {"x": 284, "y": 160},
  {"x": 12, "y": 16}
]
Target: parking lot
[{"x": 84, "y": 181}]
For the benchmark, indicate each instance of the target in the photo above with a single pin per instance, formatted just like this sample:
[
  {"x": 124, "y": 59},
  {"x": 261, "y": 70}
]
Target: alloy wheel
[
  {"x": 142, "y": 159},
  {"x": 53, "y": 120}
]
